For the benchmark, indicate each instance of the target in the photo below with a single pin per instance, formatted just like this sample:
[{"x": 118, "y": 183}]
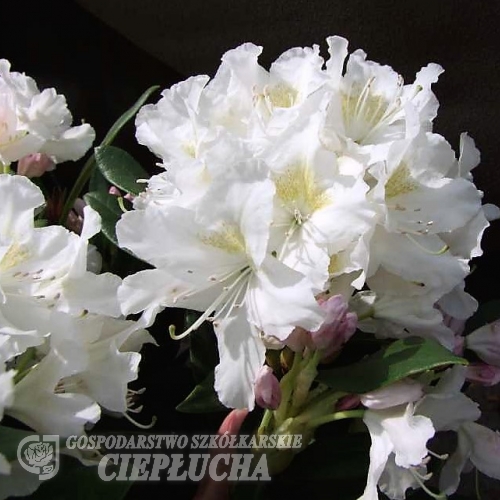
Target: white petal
[
  {"x": 6, "y": 391},
  {"x": 241, "y": 355},
  {"x": 279, "y": 299},
  {"x": 452, "y": 469},
  {"x": 404, "y": 391},
  {"x": 96, "y": 293},
  {"x": 337, "y": 48},
  {"x": 149, "y": 288},
  {"x": 469, "y": 155},
  {"x": 5, "y": 468},
  {"x": 19, "y": 199},
  {"x": 408, "y": 433},
  {"x": 396, "y": 480},
  {"x": 485, "y": 453},
  {"x": 91, "y": 223},
  {"x": 72, "y": 144},
  {"x": 380, "y": 450},
  {"x": 39, "y": 407}
]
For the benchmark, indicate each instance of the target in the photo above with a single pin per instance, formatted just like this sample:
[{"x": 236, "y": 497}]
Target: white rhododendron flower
[
  {"x": 65, "y": 349},
  {"x": 221, "y": 259},
  {"x": 37, "y": 122},
  {"x": 293, "y": 206},
  {"x": 282, "y": 185},
  {"x": 398, "y": 434},
  {"x": 450, "y": 409}
]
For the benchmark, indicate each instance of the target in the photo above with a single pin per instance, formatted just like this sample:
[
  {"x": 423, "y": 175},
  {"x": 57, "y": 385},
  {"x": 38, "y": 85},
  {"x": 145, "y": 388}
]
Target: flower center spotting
[
  {"x": 190, "y": 149},
  {"x": 334, "y": 265},
  {"x": 281, "y": 95},
  {"x": 364, "y": 111},
  {"x": 400, "y": 182},
  {"x": 7, "y": 118},
  {"x": 299, "y": 193},
  {"x": 227, "y": 238},
  {"x": 14, "y": 256}
]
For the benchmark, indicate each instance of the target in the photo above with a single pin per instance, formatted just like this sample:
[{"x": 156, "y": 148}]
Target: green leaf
[
  {"x": 202, "y": 399},
  {"x": 9, "y": 441},
  {"x": 109, "y": 210},
  {"x": 348, "y": 458},
  {"x": 79, "y": 482},
  {"x": 88, "y": 168},
  {"x": 401, "y": 359},
  {"x": 98, "y": 182},
  {"x": 119, "y": 168}
]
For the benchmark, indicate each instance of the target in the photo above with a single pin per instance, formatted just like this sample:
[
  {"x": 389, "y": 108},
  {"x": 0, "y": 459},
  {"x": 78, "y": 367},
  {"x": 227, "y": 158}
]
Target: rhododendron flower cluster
[
  {"x": 34, "y": 122},
  {"x": 66, "y": 351},
  {"x": 312, "y": 218},
  {"x": 283, "y": 186}
]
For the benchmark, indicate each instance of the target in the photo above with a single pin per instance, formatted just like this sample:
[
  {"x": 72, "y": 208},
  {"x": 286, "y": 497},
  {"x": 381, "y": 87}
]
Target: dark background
[{"x": 102, "y": 73}]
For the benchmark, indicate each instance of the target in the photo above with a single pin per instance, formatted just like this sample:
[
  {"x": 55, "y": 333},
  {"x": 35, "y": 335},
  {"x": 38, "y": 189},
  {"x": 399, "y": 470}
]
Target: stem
[
  {"x": 320, "y": 405},
  {"x": 304, "y": 381},
  {"x": 476, "y": 484},
  {"x": 5, "y": 168},
  {"x": 287, "y": 383},
  {"x": 77, "y": 188},
  {"x": 266, "y": 419},
  {"x": 340, "y": 415},
  {"x": 90, "y": 163}
]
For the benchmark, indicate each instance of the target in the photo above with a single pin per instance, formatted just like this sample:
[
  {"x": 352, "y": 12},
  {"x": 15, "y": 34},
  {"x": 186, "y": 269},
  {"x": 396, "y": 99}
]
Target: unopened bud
[
  {"x": 347, "y": 402},
  {"x": 298, "y": 340},
  {"x": 34, "y": 165},
  {"x": 267, "y": 389},
  {"x": 114, "y": 191},
  {"x": 338, "y": 327},
  {"x": 485, "y": 342},
  {"x": 483, "y": 374}
]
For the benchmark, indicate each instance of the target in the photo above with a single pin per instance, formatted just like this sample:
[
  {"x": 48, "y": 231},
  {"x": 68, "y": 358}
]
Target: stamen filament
[{"x": 225, "y": 295}]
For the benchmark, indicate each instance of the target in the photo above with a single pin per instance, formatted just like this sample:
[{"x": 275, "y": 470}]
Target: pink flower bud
[
  {"x": 485, "y": 342},
  {"x": 347, "y": 402},
  {"x": 114, "y": 191},
  {"x": 298, "y": 340},
  {"x": 338, "y": 327},
  {"x": 483, "y": 374},
  {"x": 34, "y": 165},
  {"x": 402, "y": 392},
  {"x": 267, "y": 389}
]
